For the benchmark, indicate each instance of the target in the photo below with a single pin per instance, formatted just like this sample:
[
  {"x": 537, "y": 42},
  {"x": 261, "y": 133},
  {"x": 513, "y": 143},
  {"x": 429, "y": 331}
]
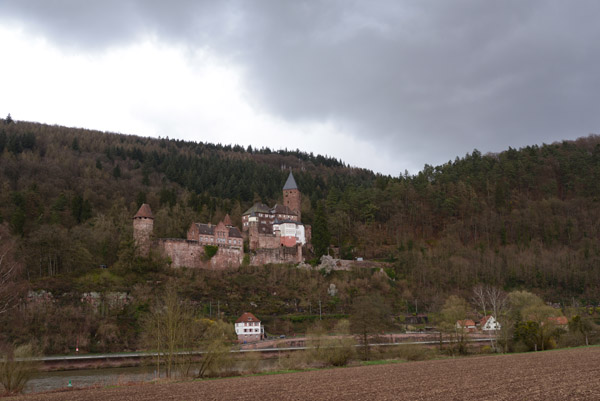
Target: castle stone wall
[
  {"x": 280, "y": 254},
  {"x": 269, "y": 241},
  {"x": 191, "y": 254},
  {"x": 182, "y": 252},
  {"x": 227, "y": 258}
]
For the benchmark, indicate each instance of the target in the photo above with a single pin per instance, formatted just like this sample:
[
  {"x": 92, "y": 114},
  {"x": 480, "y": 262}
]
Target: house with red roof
[
  {"x": 248, "y": 328},
  {"x": 559, "y": 321},
  {"x": 467, "y": 324},
  {"x": 489, "y": 323}
]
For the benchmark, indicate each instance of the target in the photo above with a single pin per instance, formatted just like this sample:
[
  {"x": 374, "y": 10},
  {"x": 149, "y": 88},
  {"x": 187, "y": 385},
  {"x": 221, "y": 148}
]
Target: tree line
[{"x": 521, "y": 219}]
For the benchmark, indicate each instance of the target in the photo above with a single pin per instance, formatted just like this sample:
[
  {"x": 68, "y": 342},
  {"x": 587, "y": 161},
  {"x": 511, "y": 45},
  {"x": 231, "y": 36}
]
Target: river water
[{"x": 46, "y": 381}]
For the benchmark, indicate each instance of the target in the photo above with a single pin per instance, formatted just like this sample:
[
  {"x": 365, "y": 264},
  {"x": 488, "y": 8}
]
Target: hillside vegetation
[{"x": 520, "y": 219}]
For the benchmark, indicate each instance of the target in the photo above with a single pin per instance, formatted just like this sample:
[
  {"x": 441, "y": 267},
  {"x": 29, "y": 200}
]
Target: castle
[{"x": 274, "y": 235}]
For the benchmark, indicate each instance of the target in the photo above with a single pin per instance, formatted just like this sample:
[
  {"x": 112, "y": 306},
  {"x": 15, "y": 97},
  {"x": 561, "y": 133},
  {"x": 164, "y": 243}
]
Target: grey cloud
[{"x": 424, "y": 80}]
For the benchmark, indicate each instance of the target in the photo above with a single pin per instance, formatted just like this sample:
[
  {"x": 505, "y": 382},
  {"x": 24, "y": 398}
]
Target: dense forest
[{"x": 525, "y": 218}]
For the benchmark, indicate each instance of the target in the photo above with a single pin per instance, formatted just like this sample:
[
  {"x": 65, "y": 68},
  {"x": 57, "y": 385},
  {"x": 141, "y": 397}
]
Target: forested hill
[{"x": 527, "y": 218}]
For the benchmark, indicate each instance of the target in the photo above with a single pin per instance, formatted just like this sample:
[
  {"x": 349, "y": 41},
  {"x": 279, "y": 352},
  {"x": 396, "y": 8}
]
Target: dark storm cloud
[{"x": 424, "y": 80}]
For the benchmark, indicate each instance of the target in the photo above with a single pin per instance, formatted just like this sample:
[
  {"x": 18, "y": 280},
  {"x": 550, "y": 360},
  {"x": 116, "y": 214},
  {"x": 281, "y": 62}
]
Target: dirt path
[{"x": 554, "y": 375}]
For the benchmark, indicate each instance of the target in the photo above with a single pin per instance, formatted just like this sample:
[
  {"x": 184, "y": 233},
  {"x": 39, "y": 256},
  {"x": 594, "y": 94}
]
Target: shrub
[
  {"x": 252, "y": 362},
  {"x": 294, "y": 360},
  {"x": 486, "y": 349},
  {"x": 16, "y": 368},
  {"x": 210, "y": 251},
  {"x": 338, "y": 351},
  {"x": 331, "y": 350}
]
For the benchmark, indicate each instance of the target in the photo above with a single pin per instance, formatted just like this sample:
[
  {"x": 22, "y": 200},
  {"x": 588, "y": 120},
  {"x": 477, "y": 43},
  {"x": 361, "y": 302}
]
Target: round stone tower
[
  {"x": 143, "y": 224},
  {"x": 291, "y": 196}
]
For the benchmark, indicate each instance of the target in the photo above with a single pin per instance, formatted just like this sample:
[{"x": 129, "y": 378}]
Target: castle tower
[
  {"x": 143, "y": 224},
  {"x": 253, "y": 232},
  {"x": 291, "y": 196}
]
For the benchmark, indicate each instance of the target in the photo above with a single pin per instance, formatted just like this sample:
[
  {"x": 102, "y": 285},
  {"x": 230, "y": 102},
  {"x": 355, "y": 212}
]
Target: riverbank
[
  {"x": 551, "y": 375},
  {"x": 267, "y": 349}
]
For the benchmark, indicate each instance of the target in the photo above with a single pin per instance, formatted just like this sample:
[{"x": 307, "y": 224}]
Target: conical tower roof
[
  {"x": 144, "y": 212},
  {"x": 290, "y": 183}
]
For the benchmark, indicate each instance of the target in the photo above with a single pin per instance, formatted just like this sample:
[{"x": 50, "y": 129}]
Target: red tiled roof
[
  {"x": 144, "y": 212},
  {"x": 559, "y": 320},
  {"x": 465, "y": 323},
  {"x": 484, "y": 320},
  {"x": 247, "y": 317}
]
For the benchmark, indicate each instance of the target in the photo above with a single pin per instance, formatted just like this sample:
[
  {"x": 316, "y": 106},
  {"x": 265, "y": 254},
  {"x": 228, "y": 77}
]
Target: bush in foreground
[{"x": 17, "y": 367}]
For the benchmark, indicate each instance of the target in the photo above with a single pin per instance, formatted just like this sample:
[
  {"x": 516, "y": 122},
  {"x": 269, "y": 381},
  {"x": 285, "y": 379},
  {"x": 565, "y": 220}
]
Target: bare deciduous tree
[
  {"x": 168, "y": 329},
  {"x": 492, "y": 297},
  {"x": 174, "y": 332},
  {"x": 369, "y": 315},
  {"x": 17, "y": 366},
  {"x": 9, "y": 271},
  {"x": 454, "y": 310},
  {"x": 497, "y": 299},
  {"x": 480, "y": 297}
]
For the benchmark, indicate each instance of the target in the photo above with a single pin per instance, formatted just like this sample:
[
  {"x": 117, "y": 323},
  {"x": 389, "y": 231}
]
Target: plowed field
[{"x": 555, "y": 375}]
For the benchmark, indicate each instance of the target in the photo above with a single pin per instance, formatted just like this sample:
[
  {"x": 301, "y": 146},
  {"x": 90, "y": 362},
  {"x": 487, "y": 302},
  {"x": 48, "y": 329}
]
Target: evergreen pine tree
[{"x": 320, "y": 233}]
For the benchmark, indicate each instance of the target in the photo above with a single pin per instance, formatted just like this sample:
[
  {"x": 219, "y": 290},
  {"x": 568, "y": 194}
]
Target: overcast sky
[{"x": 385, "y": 85}]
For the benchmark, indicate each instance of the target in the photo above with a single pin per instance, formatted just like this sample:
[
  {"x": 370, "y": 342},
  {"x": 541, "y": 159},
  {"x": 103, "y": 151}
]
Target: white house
[
  {"x": 489, "y": 323},
  {"x": 248, "y": 328},
  {"x": 291, "y": 232}
]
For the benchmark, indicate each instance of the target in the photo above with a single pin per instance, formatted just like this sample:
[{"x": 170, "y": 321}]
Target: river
[
  {"x": 45, "y": 381},
  {"x": 102, "y": 377}
]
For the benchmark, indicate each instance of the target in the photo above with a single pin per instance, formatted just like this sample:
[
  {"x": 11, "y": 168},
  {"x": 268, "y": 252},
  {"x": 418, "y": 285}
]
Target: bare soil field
[{"x": 553, "y": 375}]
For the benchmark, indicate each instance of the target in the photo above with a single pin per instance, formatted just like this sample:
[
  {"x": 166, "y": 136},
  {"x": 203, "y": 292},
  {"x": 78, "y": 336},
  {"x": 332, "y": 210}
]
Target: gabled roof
[
  {"x": 144, "y": 212},
  {"x": 247, "y": 317},
  {"x": 227, "y": 221},
  {"x": 282, "y": 209},
  {"x": 258, "y": 208},
  {"x": 207, "y": 229},
  {"x": 234, "y": 232},
  {"x": 290, "y": 183},
  {"x": 465, "y": 323}
]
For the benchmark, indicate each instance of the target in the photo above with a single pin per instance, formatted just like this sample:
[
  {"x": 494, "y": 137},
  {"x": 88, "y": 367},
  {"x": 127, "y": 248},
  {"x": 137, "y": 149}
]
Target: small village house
[
  {"x": 467, "y": 324},
  {"x": 489, "y": 323},
  {"x": 248, "y": 328},
  {"x": 559, "y": 321}
]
